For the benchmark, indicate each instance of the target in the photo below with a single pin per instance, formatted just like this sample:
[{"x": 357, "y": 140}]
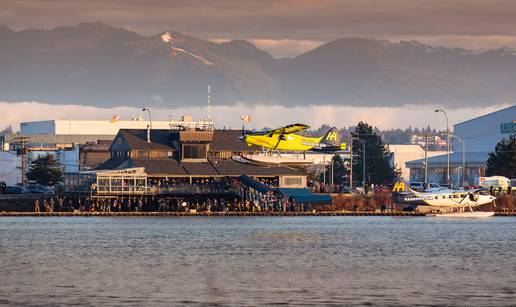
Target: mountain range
[{"x": 101, "y": 65}]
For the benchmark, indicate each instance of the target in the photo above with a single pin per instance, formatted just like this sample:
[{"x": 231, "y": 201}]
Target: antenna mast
[{"x": 209, "y": 102}]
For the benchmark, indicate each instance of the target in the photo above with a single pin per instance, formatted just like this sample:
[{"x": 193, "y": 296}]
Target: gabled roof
[
  {"x": 227, "y": 140},
  {"x": 200, "y": 168},
  {"x": 161, "y": 139},
  {"x": 508, "y": 109},
  {"x": 137, "y": 139},
  {"x": 233, "y": 168},
  {"x": 157, "y": 167},
  {"x": 112, "y": 163},
  {"x": 222, "y": 167}
]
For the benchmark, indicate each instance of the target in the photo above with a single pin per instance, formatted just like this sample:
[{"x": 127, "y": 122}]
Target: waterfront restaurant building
[
  {"x": 190, "y": 163},
  {"x": 472, "y": 142}
]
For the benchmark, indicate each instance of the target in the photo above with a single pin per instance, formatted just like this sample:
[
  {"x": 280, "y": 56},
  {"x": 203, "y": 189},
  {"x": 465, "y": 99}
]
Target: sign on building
[{"x": 508, "y": 128}]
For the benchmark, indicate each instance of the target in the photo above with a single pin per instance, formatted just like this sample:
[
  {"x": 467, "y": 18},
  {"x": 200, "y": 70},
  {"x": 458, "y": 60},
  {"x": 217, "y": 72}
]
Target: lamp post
[
  {"x": 448, "y": 143},
  {"x": 426, "y": 158},
  {"x": 363, "y": 163},
  {"x": 463, "y": 173},
  {"x": 351, "y": 165},
  {"x": 356, "y": 137},
  {"x": 150, "y": 124}
]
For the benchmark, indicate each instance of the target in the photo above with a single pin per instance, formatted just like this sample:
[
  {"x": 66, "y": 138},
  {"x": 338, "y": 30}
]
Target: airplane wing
[{"x": 293, "y": 128}]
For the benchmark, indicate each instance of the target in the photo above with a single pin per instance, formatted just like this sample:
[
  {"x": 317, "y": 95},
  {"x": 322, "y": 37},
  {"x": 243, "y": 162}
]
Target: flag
[
  {"x": 246, "y": 118},
  {"x": 115, "y": 118}
]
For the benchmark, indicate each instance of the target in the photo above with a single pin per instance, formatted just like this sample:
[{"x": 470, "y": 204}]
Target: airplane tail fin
[
  {"x": 400, "y": 186},
  {"x": 332, "y": 138}
]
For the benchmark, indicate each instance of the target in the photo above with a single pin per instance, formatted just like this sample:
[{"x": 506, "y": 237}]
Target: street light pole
[
  {"x": 463, "y": 173},
  {"x": 448, "y": 143},
  {"x": 463, "y": 161},
  {"x": 351, "y": 165},
  {"x": 150, "y": 124},
  {"x": 356, "y": 136},
  {"x": 426, "y": 158},
  {"x": 363, "y": 163}
]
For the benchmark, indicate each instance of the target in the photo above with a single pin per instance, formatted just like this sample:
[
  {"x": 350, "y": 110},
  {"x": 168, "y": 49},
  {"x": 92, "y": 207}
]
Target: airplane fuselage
[
  {"x": 447, "y": 198},
  {"x": 288, "y": 142}
]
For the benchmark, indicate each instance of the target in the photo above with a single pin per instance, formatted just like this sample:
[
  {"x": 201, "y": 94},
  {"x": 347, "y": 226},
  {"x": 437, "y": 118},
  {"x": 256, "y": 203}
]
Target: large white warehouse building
[
  {"x": 96, "y": 127},
  {"x": 473, "y": 140},
  {"x": 481, "y": 134}
]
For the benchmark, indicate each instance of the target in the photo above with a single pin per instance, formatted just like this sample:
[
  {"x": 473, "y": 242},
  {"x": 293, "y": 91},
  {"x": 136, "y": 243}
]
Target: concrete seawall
[
  {"x": 215, "y": 214},
  {"x": 231, "y": 213}
]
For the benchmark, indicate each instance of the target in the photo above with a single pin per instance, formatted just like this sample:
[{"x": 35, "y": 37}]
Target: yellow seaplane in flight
[{"x": 286, "y": 139}]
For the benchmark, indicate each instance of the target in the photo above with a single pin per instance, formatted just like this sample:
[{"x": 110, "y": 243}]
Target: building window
[
  {"x": 291, "y": 181},
  {"x": 142, "y": 153},
  {"x": 194, "y": 151}
]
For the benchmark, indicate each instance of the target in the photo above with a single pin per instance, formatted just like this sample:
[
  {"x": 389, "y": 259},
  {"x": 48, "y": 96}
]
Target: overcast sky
[{"x": 285, "y": 27}]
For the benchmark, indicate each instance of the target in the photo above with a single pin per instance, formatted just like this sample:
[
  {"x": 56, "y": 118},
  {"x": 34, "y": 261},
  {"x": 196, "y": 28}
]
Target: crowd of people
[{"x": 166, "y": 205}]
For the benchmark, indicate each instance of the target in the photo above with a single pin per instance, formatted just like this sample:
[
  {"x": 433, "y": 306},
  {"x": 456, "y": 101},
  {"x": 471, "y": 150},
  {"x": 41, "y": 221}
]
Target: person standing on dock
[
  {"x": 140, "y": 205},
  {"x": 36, "y": 206}
]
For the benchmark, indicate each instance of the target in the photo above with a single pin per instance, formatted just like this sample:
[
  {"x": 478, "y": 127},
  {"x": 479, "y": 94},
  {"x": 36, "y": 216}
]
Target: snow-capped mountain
[{"x": 97, "y": 64}]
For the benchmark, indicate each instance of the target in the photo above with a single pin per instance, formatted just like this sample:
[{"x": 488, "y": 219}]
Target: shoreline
[{"x": 218, "y": 214}]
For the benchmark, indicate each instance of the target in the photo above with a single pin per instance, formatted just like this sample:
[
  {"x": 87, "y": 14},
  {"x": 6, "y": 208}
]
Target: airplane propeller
[{"x": 467, "y": 194}]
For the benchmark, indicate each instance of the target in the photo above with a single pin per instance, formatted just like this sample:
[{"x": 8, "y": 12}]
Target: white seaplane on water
[{"x": 452, "y": 203}]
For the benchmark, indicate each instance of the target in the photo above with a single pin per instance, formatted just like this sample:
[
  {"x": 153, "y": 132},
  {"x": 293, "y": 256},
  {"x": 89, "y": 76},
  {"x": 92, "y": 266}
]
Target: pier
[{"x": 220, "y": 214}]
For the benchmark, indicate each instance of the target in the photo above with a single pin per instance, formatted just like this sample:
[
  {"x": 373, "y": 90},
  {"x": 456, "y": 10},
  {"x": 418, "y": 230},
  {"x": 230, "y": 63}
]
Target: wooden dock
[
  {"x": 215, "y": 214},
  {"x": 231, "y": 213}
]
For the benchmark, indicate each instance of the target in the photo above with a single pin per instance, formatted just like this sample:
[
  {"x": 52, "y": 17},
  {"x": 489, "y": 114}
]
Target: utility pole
[
  {"x": 324, "y": 174},
  {"x": 209, "y": 102},
  {"x": 356, "y": 136},
  {"x": 332, "y": 174},
  {"x": 351, "y": 165},
  {"x": 363, "y": 164},
  {"x": 463, "y": 160},
  {"x": 463, "y": 172},
  {"x": 149, "y": 129},
  {"x": 21, "y": 142},
  {"x": 448, "y": 181},
  {"x": 426, "y": 158}
]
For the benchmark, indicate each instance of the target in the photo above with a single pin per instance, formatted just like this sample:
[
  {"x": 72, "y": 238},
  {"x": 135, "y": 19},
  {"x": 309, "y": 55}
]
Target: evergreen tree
[
  {"x": 502, "y": 162},
  {"x": 45, "y": 170},
  {"x": 377, "y": 156},
  {"x": 340, "y": 171}
]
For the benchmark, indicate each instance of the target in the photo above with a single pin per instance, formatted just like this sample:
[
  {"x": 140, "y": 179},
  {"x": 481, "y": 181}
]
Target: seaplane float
[{"x": 443, "y": 202}]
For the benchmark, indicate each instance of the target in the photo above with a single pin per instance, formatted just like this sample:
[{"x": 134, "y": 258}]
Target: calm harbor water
[{"x": 145, "y": 261}]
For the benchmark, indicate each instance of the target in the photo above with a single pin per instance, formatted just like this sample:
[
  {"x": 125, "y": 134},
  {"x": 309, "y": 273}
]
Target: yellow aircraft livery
[{"x": 284, "y": 138}]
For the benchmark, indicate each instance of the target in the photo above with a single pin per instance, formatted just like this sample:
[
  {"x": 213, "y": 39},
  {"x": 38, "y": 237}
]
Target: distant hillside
[{"x": 97, "y": 64}]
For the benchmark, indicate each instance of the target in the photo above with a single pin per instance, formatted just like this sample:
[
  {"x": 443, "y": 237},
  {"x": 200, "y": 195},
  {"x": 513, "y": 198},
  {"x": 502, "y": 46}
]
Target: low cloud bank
[{"x": 263, "y": 115}]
